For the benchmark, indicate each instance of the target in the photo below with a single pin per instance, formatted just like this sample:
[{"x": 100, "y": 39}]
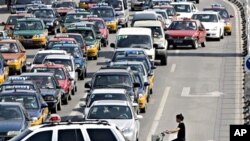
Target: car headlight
[
  {"x": 13, "y": 133},
  {"x": 127, "y": 130},
  {"x": 140, "y": 95},
  {"x": 13, "y": 61},
  {"x": 91, "y": 46},
  {"x": 214, "y": 29},
  {"x": 38, "y": 36},
  {"x": 49, "y": 98}
]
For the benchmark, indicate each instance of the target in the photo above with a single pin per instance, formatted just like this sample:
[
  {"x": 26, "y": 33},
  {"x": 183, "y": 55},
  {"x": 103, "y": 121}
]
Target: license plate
[
  {"x": 28, "y": 41},
  {"x": 178, "y": 41}
]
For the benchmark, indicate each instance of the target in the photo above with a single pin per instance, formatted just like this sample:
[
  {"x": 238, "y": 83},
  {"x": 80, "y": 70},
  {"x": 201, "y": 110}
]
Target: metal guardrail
[{"x": 243, "y": 8}]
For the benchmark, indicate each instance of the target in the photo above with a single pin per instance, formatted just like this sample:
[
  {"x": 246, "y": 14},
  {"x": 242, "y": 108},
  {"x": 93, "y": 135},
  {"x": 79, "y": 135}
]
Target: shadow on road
[{"x": 204, "y": 54}]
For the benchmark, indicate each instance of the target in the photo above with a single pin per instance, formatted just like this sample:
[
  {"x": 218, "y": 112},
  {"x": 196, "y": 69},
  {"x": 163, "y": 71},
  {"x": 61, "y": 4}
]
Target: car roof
[
  {"x": 37, "y": 74},
  {"x": 52, "y": 51},
  {"x": 65, "y": 45},
  {"x": 61, "y": 39},
  {"x": 129, "y": 49},
  {"x": 206, "y": 12},
  {"x": 128, "y": 63},
  {"x": 110, "y": 102},
  {"x": 49, "y": 66},
  {"x": 11, "y": 103},
  {"x": 66, "y": 57},
  {"x": 148, "y": 23},
  {"x": 17, "y": 91},
  {"x": 8, "y": 40},
  {"x": 17, "y": 82},
  {"x": 108, "y": 91},
  {"x": 112, "y": 71},
  {"x": 134, "y": 31}
]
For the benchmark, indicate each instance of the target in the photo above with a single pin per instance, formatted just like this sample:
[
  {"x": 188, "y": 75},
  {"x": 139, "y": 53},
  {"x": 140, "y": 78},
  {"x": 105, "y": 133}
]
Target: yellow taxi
[{"x": 14, "y": 54}]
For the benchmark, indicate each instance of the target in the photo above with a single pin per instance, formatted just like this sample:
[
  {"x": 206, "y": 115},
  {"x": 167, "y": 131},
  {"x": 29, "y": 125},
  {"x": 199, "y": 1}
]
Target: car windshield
[
  {"x": 129, "y": 52},
  {"x": 112, "y": 81},
  {"x": 134, "y": 67},
  {"x": 40, "y": 57},
  {"x": 66, "y": 4},
  {"x": 58, "y": 72},
  {"x": 134, "y": 41},
  {"x": 182, "y": 8},
  {"x": 106, "y": 96},
  {"x": 88, "y": 35},
  {"x": 12, "y": 20},
  {"x": 67, "y": 63},
  {"x": 110, "y": 112},
  {"x": 100, "y": 24},
  {"x": 9, "y": 112},
  {"x": 117, "y": 5},
  {"x": 205, "y": 17},
  {"x": 143, "y": 60},
  {"x": 171, "y": 12},
  {"x": 160, "y": 3},
  {"x": 223, "y": 12},
  {"x": 52, "y": 43},
  {"x": 29, "y": 101},
  {"x": 8, "y": 48},
  {"x": 48, "y": 13},
  {"x": 156, "y": 30},
  {"x": 29, "y": 25},
  {"x": 163, "y": 14},
  {"x": 6, "y": 87},
  {"x": 74, "y": 51},
  {"x": 72, "y": 18},
  {"x": 183, "y": 25},
  {"x": 103, "y": 12},
  {"x": 43, "y": 82}
]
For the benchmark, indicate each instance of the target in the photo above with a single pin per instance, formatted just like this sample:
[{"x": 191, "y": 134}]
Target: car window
[
  {"x": 121, "y": 80},
  {"x": 11, "y": 113},
  {"x": 9, "y": 48},
  {"x": 182, "y": 8},
  {"x": 41, "y": 136},
  {"x": 105, "y": 96},
  {"x": 70, "y": 135},
  {"x": 205, "y": 17},
  {"x": 139, "y": 41},
  {"x": 106, "y": 134}
]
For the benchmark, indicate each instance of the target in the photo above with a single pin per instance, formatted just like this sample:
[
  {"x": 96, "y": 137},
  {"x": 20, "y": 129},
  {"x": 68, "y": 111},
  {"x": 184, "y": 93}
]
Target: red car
[
  {"x": 61, "y": 74},
  {"x": 104, "y": 31},
  {"x": 62, "y": 7},
  {"x": 186, "y": 32},
  {"x": 53, "y": 41}
]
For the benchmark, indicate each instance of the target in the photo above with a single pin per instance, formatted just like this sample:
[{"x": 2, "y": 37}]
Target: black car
[
  {"x": 50, "y": 18},
  {"x": 115, "y": 77},
  {"x": 50, "y": 89},
  {"x": 13, "y": 119}
]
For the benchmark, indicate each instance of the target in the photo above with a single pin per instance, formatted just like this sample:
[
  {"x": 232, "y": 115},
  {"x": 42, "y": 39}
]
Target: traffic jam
[{"x": 71, "y": 34}]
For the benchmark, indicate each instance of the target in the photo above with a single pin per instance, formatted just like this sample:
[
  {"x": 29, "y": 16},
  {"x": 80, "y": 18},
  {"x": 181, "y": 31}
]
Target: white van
[
  {"x": 136, "y": 38},
  {"x": 122, "y": 11}
]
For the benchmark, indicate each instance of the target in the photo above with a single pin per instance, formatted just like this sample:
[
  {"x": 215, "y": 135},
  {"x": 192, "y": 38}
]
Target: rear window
[
  {"x": 100, "y": 134},
  {"x": 70, "y": 135}
]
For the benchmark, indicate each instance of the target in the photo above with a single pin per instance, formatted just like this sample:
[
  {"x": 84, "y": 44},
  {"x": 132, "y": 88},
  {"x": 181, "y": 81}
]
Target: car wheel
[
  {"x": 151, "y": 91},
  {"x": 148, "y": 97},
  {"x": 59, "y": 106},
  {"x": 24, "y": 68},
  {"x": 73, "y": 91},
  {"x": 95, "y": 58},
  {"x": 203, "y": 44},
  {"x": 82, "y": 76},
  {"x": 197, "y": 1},
  {"x": 69, "y": 97},
  {"x": 196, "y": 44},
  {"x": 65, "y": 101},
  {"x": 163, "y": 60},
  {"x": 143, "y": 110},
  {"x": 222, "y": 36},
  {"x": 229, "y": 33},
  {"x": 54, "y": 110},
  {"x": 19, "y": 72},
  {"x": 75, "y": 88}
]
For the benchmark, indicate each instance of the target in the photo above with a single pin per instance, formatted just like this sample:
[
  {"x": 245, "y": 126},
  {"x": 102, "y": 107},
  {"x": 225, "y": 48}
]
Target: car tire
[
  {"x": 222, "y": 36},
  {"x": 195, "y": 45},
  {"x": 75, "y": 88},
  {"x": 65, "y": 101},
  {"x": 132, "y": 9},
  {"x": 69, "y": 97},
  {"x": 95, "y": 58},
  {"x": 54, "y": 110},
  {"x": 73, "y": 91},
  {"x": 164, "y": 60},
  {"x": 151, "y": 91},
  {"x": 19, "y": 72},
  {"x": 143, "y": 110},
  {"x": 148, "y": 98},
  {"x": 229, "y": 33},
  {"x": 197, "y": 1},
  {"x": 59, "y": 106},
  {"x": 24, "y": 68},
  {"x": 203, "y": 44},
  {"x": 81, "y": 76}
]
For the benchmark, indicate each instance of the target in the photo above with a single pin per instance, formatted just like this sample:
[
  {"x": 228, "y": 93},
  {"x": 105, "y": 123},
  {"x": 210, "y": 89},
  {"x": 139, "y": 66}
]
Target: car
[
  {"x": 139, "y": 58},
  {"x": 141, "y": 4},
  {"x": 19, "y": 6},
  {"x": 212, "y": 22},
  {"x": 114, "y": 77},
  {"x": 87, "y": 4},
  {"x": 159, "y": 39},
  {"x": 80, "y": 60},
  {"x": 52, "y": 41},
  {"x": 146, "y": 15},
  {"x": 164, "y": 14},
  {"x": 41, "y": 54},
  {"x": 75, "y": 131},
  {"x": 224, "y": 15},
  {"x": 50, "y": 18},
  {"x": 136, "y": 37},
  {"x": 108, "y": 14},
  {"x": 62, "y": 76},
  {"x": 91, "y": 38},
  {"x": 14, "y": 119},
  {"x": 72, "y": 17},
  {"x": 185, "y": 33},
  {"x": 4, "y": 69},
  {"x": 102, "y": 27},
  {"x": 50, "y": 89},
  {"x": 105, "y": 94},
  {"x": 69, "y": 62},
  {"x": 14, "y": 54},
  {"x": 62, "y": 7},
  {"x": 31, "y": 32},
  {"x": 184, "y": 9},
  {"x": 32, "y": 101},
  {"x": 120, "y": 113},
  {"x": 172, "y": 15}
]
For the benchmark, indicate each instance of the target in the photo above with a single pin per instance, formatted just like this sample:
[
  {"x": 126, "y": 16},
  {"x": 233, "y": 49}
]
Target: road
[{"x": 204, "y": 85}]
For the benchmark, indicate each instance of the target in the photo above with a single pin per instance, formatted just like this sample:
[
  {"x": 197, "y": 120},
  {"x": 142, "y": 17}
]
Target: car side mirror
[
  {"x": 112, "y": 45},
  {"x": 231, "y": 16},
  {"x": 146, "y": 84},
  {"x": 178, "y": 14},
  {"x": 44, "y": 105},
  {"x": 87, "y": 85},
  {"x": 136, "y": 85}
]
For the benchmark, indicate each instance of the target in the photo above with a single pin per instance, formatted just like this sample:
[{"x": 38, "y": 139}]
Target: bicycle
[{"x": 158, "y": 137}]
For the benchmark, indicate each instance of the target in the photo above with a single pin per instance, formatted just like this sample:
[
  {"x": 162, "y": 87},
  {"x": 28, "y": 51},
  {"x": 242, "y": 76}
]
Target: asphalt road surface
[{"x": 204, "y": 85}]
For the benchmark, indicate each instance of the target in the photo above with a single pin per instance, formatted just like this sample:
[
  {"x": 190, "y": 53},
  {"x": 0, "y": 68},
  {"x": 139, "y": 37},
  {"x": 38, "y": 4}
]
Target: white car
[
  {"x": 212, "y": 22},
  {"x": 164, "y": 15},
  {"x": 184, "y": 9},
  {"x": 40, "y": 55},
  {"x": 135, "y": 38},
  {"x": 68, "y": 62},
  {"x": 120, "y": 113},
  {"x": 3, "y": 35}
]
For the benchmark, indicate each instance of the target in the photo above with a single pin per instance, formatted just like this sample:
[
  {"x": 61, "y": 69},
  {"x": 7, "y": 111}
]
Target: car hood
[
  {"x": 121, "y": 123},
  {"x": 45, "y": 92},
  {"x": 28, "y": 32},
  {"x": 34, "y": 113},
  {"x": 181, "y": 32},
  {"x": 209, "y": 25},
  {"x": 107, "y": 19},
  {"x": 10, "y": 56},
  {"x": 10, "y": 125}
]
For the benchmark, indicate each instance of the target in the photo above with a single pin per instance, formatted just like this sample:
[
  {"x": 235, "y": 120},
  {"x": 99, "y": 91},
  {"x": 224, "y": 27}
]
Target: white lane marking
[
  {"x": 158, "y": 113},
  {"x": 185, "y": 91},
  {"x": 177, "y": 51},
  {"x": 172, "y": 137},
  {"x": 173, "y": 68}
]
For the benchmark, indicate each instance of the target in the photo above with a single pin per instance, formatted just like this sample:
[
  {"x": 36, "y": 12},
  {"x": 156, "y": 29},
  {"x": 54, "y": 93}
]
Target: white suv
[
  {"x": 70, "y": 131},
  {"x": 117, "y": 112},
  {"x": 184, "y": 9}
]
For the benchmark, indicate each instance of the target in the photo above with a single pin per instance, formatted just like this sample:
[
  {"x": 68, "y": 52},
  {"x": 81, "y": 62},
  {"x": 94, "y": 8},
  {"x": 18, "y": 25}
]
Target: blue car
[
  {"x": 80, "y": 60},
  {"x": 13, "y": 119}
]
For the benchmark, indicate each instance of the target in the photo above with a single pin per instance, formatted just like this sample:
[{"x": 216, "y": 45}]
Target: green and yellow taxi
[
  {"x": 92, "y": 39},
  {"x": 31, "y": 32},
  {"x": 14, "y": 54},
  {"x": 108, "y": 14}
]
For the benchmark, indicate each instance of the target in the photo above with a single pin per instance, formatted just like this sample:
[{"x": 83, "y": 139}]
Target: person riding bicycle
[{"x": 180, "y": 130}]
